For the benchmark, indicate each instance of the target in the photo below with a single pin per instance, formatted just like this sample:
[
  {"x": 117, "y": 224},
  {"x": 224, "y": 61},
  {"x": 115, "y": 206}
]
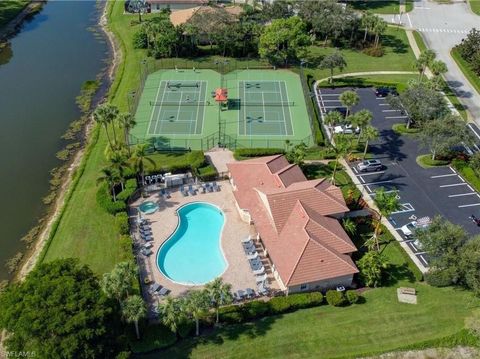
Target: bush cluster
[
  {"x": 257, "y": 152},
  {"x": 121, "y": 221},
  {"x": 207, "y": 173},
  {"x": 336, "y": 298},
  {"x": 104, "y": 200}
]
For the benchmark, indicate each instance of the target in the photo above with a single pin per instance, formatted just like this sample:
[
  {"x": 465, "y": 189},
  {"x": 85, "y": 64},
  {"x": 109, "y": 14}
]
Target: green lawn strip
[
  {"x": 468, "y": 173},
  {"x": 381, "y": 7},
  {"x": 402, "y": 129},
  {"x": 475, "y": 6},
  {"x": 10, "y": 9},
  {"x": 472, "y": 77},
  {"x": 420, "y": 42},
  {"x": 426, "y": 161},
  {"x": 399, "y": 81},
  {"x": 379, "y": 325}
]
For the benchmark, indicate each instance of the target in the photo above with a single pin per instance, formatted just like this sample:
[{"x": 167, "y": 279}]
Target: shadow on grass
[
  {"x": 184, "y": 348},
  {"x": 397, "y": 45}
]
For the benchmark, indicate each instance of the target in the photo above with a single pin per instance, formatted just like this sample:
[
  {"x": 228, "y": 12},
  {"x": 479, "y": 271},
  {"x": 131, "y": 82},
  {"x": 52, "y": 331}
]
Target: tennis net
[
  {"x": 182, "y": 84},
  {"x": 267, "y": 104}
]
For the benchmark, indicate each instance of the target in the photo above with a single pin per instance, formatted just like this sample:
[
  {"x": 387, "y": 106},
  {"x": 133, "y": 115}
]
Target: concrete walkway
[{"x": 219, "y": 157}]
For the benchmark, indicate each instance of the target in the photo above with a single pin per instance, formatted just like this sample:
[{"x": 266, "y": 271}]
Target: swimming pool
[{"x": 193, "y": 254}]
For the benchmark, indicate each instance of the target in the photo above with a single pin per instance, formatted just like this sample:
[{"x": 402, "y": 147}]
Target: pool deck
[{"x": 163, "y": 223}]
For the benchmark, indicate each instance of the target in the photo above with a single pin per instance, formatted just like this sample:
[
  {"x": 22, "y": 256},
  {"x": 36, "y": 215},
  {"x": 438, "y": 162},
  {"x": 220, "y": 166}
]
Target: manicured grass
[
  {"x": 402, "y": 129},
  {"x": 467, "y": 172},
  {"x": 420, "y": 42},
  {"x": 475, "y": 6},
  {"x": 381, "y": 7},
  {"x": 471, "y": 76},
  {"x": 86, "y": 231},
  {"x": 9, "y": 9},
  {"x": 399, "y": 81},
  {"x": 379, "y": 325},
  {"x": 398, "y": 56},
  {"x": 426, "y": 161}
]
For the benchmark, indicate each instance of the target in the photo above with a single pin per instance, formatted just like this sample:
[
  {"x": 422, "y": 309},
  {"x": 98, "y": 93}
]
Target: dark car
[{"x": 385, "y": 91}]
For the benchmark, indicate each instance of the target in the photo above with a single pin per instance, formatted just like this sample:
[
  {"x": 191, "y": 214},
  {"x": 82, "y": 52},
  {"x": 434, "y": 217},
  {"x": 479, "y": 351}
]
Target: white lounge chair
[
  {"x": 246, "y": 239},
  {"x": 252, "y": 256},
  {"x": 261, "y": 278},
  {"x": 259, "y": 271}
]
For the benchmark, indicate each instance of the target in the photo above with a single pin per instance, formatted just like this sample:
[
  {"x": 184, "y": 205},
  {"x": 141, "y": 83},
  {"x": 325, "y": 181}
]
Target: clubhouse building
[{"x": 296, "y": 223}]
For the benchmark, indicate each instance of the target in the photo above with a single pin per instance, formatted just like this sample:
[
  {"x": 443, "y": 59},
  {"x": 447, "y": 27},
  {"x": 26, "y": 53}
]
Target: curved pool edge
[{"x": 227, "y": 264}]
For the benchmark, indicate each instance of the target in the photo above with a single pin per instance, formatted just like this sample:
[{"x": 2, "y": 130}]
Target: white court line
[
  {"x": 372, "y": 173},
  {"x": 469, "y": 205},
  {"x": 396, "y": 116},
  {"x": 462, "y": 194},
  {"x": 440, "y": 176},
  {"x": 452, "y": 185}
]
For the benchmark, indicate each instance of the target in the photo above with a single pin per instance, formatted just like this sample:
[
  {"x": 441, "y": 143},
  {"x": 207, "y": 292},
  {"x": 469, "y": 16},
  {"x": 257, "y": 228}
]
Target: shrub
[
  {"x": 426, "y": 161},
  {"x": 126, "y": 253},
  {"x": 401, "y": 128},
  {"x": 279, "y": 305},
  {"x": 196, "y": 159},
  {"x": 185, "y": 327},
  {"x": 207, "y": 173},
  {"x": 257, "y": 152},
  {"x": 140, "y": 40},
  {"x": 255, "y": 309},
  {"x": 156, "y": 336},
  {"x": 335, "y": 298},
  {"x": 231, "y": 314},
  {"x": 293, "y": 302},
  {"x": 374, "y": 51},
  {"x": 352, "y": 296},
  {"x": 121, "y": 221},
  {"x": 104, "y": 200},
  {"x": 126, "y": 193},
  {"x": 440, "y": 278}
]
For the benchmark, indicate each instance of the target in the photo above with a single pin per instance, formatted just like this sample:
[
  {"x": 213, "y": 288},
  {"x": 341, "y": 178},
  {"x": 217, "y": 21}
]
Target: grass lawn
[
  {"x": 10, "y": 9},
  {"x": 398, "y": 56},
  {"x": 419, "y": 40},
  {"x": 381, "y": 6},
  {"x": 475, "y": 6},
  {"x": 472, "y": 77},
  {"x": 86, "y": 231},
  {"x": 400, "y": 81},
  {"x": 381, "y": 324}
]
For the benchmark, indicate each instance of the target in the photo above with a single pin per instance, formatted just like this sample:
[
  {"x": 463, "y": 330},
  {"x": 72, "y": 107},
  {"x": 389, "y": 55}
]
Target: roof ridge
[
  {"x": 334, "y": 252},
  {"x": 332, "y": 197},
  {"x": 299, "y": 257},
  {"x": 281, "y": 170},
  {"x": 328, "y": 230}
]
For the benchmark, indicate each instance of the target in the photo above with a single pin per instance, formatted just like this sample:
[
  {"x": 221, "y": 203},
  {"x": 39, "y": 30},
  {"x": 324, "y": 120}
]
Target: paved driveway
[
  {"x": 443, "y": 26},
  {"x": 423, "y": 192}
]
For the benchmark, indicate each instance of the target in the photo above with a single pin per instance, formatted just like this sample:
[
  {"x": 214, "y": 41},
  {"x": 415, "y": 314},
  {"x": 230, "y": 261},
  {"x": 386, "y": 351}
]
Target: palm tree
[
  {"x": 140, "y": 158},
  {"x": 340, "y": 147},
  {"x": 127, "y": 121},
  {"x": 119, "y": 282},
  {"x": 438, "y": 67},
  {"x": 369, "y": 134},
  {"x": 106, "y": 114},
  {"x": 425, "y": 59},
  {"x": 361, "y": 120},
  {"x": 118, "y": 162},
  {"x": 367, "y": 21},
  {"x": 196, "y": 303},
  {"x": 379, "y": 28},
  {"x": 219, "y": 293},
  {"x": 332, "y": 118},
  {"x": 349, "y": 226},
  {"x": 171, "y": 313},
  {"x": 387, "y": 203},
  {"x": 133, "y": 309},
  {"x": 111, "y": 178},
  {"x": 333, "y": 61},
  {"x": 111, "y": 286},
  {"x": 349, "y": 99}
]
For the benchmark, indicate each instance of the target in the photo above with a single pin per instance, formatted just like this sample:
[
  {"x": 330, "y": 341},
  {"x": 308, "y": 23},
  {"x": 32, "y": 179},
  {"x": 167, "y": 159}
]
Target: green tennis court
[
  {"x": 179, "y": 108},
  {"x": 264, "y": 109}
]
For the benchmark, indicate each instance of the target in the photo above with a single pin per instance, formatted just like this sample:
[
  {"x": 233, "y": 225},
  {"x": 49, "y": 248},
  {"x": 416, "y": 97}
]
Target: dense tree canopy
[
  {"x": 58, "y": 311},
  {"x": 284, "y": 40}
]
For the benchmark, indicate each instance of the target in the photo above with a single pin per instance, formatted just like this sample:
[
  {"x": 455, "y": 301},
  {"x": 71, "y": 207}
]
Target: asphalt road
[
  {"x": 423, "y": 192},
  {"x": 443, "y": 26}
]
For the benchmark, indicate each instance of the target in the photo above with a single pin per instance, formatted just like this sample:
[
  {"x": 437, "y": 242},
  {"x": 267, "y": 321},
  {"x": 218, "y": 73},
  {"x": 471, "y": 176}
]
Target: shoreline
[
  {"x": 14, "y": 26},
  {"x": 66, "y": 188}
]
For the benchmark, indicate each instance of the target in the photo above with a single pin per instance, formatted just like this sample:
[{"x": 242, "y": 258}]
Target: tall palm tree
[
  {"x": 140, "y": 158},
  {"x": 133, "y": 309},
  {"x": 387, "y": 203},
  {"x": 219, "y": 293},
  {"x": 127, "y": 121},
  {"x": 119, "y": 282},
  {"x": 349, "y": 99},
  {"x": 438, "y": 67},
  {"x": 111, "y": 178},
  {"x": 111, "y": 286},
  {"x": 106, "y": 115},
  {"x": 425, "y": 59},
  {"x": 171, "y": 313},
  {"x": 379, "y": 28},
  {"x": 340, "y": 147},
  {"x": 196, "y": 303},
  {"x": 118, "y": 161},
  {"x": 369, "y": 134},
  {"x": 362, "y": 119},
  {"x": 332, "y": 118},
  {"x": 367, "y": 22}
]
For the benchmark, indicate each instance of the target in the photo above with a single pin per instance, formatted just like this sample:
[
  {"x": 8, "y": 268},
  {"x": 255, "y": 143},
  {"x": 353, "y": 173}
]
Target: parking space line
[
  {"x": 474, "y": 132},
  {"x": 372, "y": 173},
  {"x": 440, "y": 176},
  {"x": 330, "y": 94},
  {"x": 396, "y": 116},
  {"x": 469, "y": 205},
  {"x": 422, "y": 258},
  {"x": 452, "y": 169},
  {"x": 392, "y": 191},
  {"x": 478, "y": 195},
  {"x": 407, "y": 207},
  {"x": 354, "y": 170},
  {"x": 463, "y": 194},
  {"x": 471, "y": 189},
  {"x": 369, "y": 190},
  {"x": 380, "y": 98},
  {"x": 390, "y": 110},
  {"x": 383, "y": 104},
  {"x": 361, "y": 179},
  {"x": 452, "y": 185},
  {"x": 372, "y": 183},
  {"x": 333, "y": 106},
  {"x": 331, "y": 101},
  {"x": 461, "y": 179}
]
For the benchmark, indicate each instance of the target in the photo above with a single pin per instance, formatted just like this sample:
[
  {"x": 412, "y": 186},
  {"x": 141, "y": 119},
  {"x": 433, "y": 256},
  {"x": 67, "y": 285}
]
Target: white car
[
  {"x": 346, "y": 129},
  {"x": 409, "y": 229}
]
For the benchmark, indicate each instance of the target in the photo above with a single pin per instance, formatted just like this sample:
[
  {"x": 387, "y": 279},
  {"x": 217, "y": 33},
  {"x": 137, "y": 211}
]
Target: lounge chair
[
  {"x": 216, "y": 187},
  {"x": 184, "y": 192},
  {"x": 203, "y": 188},
  {"x": 248, "y": 244},
  {"x": 191, "y": 190},
  {"x": 249, "y": 250},
  {"x": 154, "y": 287},
  {"x": 145, "y": 230},
  {"x": 250, "y": 292},
  {"x": 209, "y": 187},
  {"x": 240, "y": 294},
  {"x": 148, "y": 245},
  {"x": 252, "y": 256},
  {"x": 164, "y": 291},
  {"x": 146, "y": 252},
  {"x": 262, "y": 288},
  {"x": 260, "y": 278},
  {"x": 146, "y": 237},
  {"x": 247, "y": 240},
  {"x": 259, "y": 271}
]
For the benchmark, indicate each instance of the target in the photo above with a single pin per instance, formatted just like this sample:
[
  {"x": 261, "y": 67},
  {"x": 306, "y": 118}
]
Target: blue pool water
[
  {"x": 148, "y": 207},
  {"x": 192, "y": 255}
]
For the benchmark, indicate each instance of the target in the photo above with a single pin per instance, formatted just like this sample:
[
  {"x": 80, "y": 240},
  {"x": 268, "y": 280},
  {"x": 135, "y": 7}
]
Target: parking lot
[{"x": 422, "y": 192}]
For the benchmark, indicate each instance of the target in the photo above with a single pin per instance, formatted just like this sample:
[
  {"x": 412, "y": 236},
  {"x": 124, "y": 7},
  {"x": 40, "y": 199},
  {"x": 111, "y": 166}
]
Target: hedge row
[
  {"x": 257, "y": 152},
  {"x": 278, "y": 305}
]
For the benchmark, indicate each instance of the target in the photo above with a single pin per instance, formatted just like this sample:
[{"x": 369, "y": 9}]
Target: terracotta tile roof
[{"x": 291, "y": 215}]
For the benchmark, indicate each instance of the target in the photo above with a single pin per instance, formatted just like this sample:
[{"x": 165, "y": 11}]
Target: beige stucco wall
[{"x": 332, "y": 283}]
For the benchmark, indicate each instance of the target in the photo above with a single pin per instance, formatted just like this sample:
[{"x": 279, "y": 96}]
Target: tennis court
[
  {"x": 264, "y": 109},
  {"x": 178, "y": 108}
]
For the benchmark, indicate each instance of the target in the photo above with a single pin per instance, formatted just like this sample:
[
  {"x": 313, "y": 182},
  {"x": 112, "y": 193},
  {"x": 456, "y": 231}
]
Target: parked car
[
  {"x": 346, "y": 129},
  {"x": 418, "y": 244},
  {"x": 409, "y": 229},
  {"x": 370, "y": 166},
  {"x": 385, "y": 91}
]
